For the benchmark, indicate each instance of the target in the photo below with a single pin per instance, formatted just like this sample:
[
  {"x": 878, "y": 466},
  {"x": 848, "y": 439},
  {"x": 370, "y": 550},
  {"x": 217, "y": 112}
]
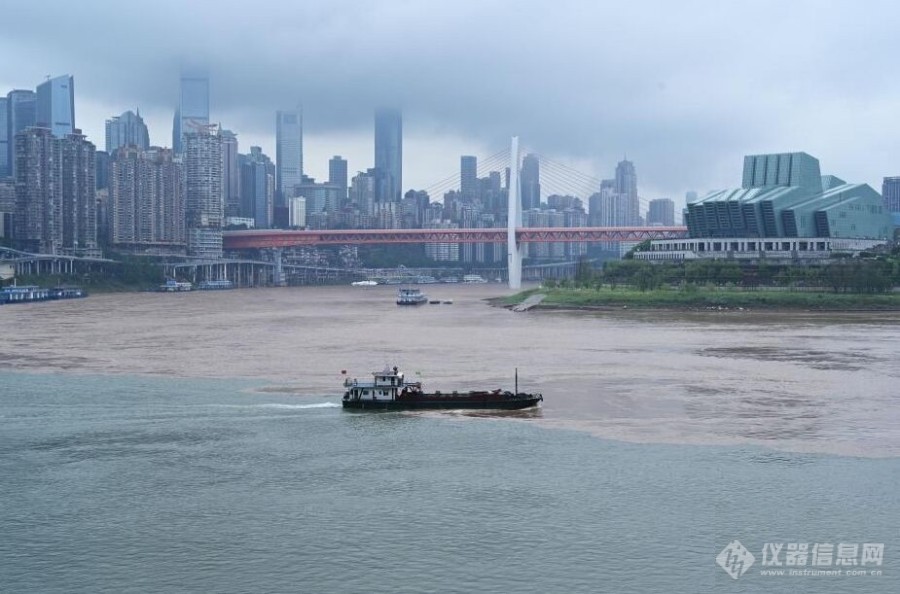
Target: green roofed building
[{"x": 783, "y": 197}]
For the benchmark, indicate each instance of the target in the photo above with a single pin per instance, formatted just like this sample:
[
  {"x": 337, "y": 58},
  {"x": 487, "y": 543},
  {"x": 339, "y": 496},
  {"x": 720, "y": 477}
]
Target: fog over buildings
[{"x": 649, "y": 86}]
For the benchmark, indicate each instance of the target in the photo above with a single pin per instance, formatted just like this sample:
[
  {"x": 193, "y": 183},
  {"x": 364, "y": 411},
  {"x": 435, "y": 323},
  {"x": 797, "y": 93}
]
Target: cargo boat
[{"x": 389, "y": 390}]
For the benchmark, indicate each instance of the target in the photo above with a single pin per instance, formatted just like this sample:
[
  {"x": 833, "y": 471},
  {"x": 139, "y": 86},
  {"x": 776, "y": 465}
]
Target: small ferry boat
[
  {"x": 474, "y": 278},
  {"x": 67, "y": 292},
  {"x": 389, "y": 390},
  {"x": 215, "y": 285},
  {"x": 173, "y": 286},
  {"x": 411, "y": 297}
]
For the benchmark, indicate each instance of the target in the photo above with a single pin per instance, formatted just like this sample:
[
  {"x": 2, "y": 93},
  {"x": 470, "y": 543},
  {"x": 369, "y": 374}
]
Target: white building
[{"x": 296, "y": 212}]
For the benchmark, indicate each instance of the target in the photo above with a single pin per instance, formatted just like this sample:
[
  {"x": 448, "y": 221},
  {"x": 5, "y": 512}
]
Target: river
[{"x": 194, "y": 442}]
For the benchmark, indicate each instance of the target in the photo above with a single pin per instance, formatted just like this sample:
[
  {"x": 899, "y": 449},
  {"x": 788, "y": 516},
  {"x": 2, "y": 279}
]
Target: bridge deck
[{"x": 275, "y": 238}]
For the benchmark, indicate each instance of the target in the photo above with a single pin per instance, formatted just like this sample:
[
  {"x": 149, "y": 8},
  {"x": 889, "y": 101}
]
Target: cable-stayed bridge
[{"x": 556, "y": 178}]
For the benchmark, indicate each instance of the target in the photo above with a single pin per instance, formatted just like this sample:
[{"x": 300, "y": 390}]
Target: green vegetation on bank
[
  {"x": 707, "y": 297},
  {"x": 865, "y": 282}
]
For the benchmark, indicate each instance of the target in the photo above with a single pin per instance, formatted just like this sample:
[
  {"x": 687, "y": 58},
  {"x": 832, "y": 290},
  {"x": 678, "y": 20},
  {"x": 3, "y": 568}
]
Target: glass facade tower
[
  {"x": 19, "y": 116},
  {"x": 192, "y": 115},
  {"x": 288, "y": 153},
  {"x": 388, "y": 155},
  {"x": 55, "y": 105}
]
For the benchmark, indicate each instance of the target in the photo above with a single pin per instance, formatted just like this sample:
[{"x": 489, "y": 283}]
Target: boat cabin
[{"x": 386, "y": 385}]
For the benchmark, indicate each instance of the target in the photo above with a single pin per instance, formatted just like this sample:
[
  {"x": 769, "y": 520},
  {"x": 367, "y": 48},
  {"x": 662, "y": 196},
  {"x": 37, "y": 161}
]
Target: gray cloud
[{"x": 684, "y": 88}]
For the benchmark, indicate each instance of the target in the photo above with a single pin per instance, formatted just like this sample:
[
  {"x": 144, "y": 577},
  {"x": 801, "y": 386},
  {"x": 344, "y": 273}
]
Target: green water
[{"x": 137, "y": 484}]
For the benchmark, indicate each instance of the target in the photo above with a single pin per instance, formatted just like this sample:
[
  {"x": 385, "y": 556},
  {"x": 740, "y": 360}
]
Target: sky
[{"x": 684, "y": 89}]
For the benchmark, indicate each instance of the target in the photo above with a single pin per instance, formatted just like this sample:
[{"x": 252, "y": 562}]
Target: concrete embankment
[{"x": 529, "y": 303}]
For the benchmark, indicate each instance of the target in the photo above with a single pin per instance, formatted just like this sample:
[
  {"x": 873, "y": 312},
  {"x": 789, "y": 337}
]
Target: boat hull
[{"x": 427, "y": 402}]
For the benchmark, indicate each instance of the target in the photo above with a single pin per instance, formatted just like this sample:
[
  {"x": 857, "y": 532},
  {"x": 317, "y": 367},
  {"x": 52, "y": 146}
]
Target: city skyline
[{"x": 681, "y": 115}]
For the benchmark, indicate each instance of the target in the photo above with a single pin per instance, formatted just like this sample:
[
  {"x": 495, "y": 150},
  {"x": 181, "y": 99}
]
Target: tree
[{"x": 584, "y": 273}]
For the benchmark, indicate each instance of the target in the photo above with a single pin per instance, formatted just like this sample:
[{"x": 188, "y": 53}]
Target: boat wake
[
  {"x": 301, "y": 406},
  {"x": 282, "y": 406}
]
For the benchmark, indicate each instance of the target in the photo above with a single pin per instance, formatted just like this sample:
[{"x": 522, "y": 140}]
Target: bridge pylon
[{"x": 514, "y": 250}]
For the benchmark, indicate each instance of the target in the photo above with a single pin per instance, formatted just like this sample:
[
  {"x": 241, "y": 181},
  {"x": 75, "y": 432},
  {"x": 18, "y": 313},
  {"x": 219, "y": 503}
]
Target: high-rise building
[
  {"x": 7, "y": 207},
  {"x": 890, "y": 192},
  {"x": 167, "y": 179},
  {"x": 55, "y": 105},
  {"x": 127, "y": 129},
  {"x": 146, "y": 201},
  {"x": 661, "y": 211},
  {"x": 388, "y": 155},
  {"x": 362, "y": 191},
  {"x": 337, "y": 176},
  {"x": 626, "y": 187},
  {"x": 102, "y": 159},
  {"x": 38, "y": 221},
  {"x": 79, "y": 194},
  {"x": 530, "y": 182},
  {"x": 192, "y": 115},
  {"x": 56, "y": 210},
  {"x": 231, "y": 170},
  {"x": 288, "y": 153},
  {"x": 566, "y": 202},
  {"x": 413, "y": 207},
  {"x": 4, "y": 139},
  {"x": 258, "y": 188},
  {"x": 297, "y": 212},
  {"x": 204, "y": 194},
  {"x": 20, "y": 106},
  {"x": 468, "y": 176},
  {"x": 320, "y": 197}
]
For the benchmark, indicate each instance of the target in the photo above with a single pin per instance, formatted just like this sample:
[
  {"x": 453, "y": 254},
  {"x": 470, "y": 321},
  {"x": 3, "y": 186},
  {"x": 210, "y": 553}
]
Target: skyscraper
[
  {"x": 55, "y": 105},
  {"x": 890, "y": 192},
  {"x": 388, "y": 155},
  {"x": 204, "y": 194},
  {"x": 56, "y": 210},
  {"x": 38, "y": 220},
  {"x": 192, "y": 114},
  {"x": 362, "y": 191},
  {"x": 530, "y": 182},
  {"x": 288, "y": 153},
  {"x": 626, "y": 188},
  {"x": 468, "y": 176},
  {"x": 127, "y": 129},
  {"x": 257, "y": 188},
  {"x": 4, "y": 139},
  {"x": 661, "y": 211},
  {"x": 146, "y": 199},
  {"x": 337, "y": 176},
  {"x": 102, "y": 158},
  {"x": 19, "y": 115},
  {"x": 231, "y": 170},
  {"x": 79, "y": 205}
]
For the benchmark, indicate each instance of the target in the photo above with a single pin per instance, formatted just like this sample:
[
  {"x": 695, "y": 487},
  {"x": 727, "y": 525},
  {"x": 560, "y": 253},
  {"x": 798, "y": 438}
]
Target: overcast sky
[{"x": 684, "y": 88}]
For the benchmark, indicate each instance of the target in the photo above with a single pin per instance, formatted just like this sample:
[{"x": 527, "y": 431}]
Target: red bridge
[{"x": 275, "y": 238}]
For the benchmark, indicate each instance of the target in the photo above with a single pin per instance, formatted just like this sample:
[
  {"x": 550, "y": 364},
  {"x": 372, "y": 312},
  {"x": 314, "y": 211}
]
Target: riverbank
[{"x": 703, "y": 299}]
